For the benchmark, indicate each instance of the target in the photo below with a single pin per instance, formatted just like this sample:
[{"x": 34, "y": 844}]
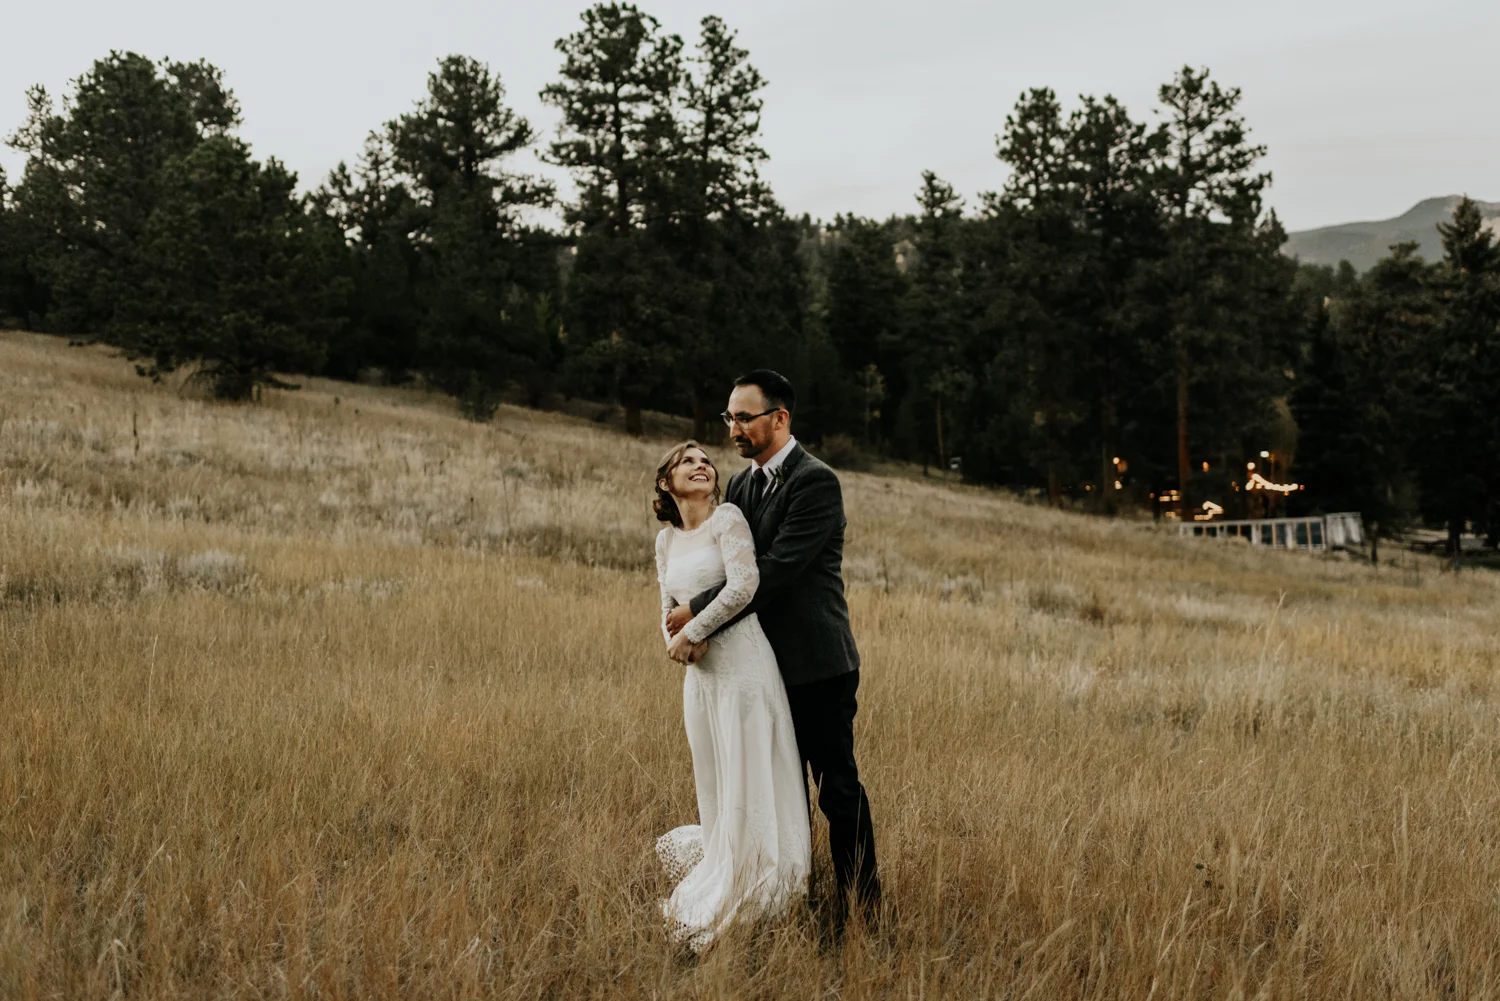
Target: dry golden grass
[{"x": 347, "y": 698}]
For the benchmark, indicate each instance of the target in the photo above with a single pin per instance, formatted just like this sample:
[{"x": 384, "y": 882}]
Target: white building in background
[{"x": 1314, "y": 534}]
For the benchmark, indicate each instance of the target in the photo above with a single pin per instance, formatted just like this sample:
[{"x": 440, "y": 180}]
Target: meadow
[{"x": 338, "y": 695}]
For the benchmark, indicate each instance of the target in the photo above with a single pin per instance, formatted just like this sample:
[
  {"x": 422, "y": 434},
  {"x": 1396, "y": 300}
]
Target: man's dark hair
[{"x": 775, "y": 387}]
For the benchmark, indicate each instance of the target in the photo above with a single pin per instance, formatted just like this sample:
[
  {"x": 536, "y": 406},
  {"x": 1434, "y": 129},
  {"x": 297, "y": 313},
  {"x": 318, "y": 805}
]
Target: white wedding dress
[{"x": 749, "y": 855}]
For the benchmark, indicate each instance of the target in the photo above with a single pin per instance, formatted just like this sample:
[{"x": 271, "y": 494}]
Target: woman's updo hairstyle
[{"x": 665, "y": 504}]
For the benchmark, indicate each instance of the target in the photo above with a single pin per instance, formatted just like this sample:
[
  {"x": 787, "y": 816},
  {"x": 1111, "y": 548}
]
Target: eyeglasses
[{"x": 730, "y": 420}]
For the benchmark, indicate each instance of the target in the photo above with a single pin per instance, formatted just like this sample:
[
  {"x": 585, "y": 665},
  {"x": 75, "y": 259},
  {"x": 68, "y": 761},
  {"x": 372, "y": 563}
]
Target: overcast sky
[{"x": 1367, "y": 106}]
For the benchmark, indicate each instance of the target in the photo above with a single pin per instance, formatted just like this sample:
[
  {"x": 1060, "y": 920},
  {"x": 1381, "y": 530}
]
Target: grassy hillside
[
  {"x": 339, "y": 696},
  {"x": 1364, "y": 243}
]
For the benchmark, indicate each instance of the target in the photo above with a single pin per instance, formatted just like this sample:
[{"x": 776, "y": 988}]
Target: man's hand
[
  {"x": 680, "y": 649},
  {"x": 679, "y": 616}
]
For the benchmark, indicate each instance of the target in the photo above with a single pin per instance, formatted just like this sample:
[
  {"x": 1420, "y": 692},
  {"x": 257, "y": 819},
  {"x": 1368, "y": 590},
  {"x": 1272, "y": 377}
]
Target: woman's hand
[
  {"x": 678, "y": 617},
  {"x": 682, "y": 649}
]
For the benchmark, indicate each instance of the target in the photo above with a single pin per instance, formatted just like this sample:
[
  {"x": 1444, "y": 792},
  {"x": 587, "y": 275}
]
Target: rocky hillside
[{"x": 1364, "y": 243}]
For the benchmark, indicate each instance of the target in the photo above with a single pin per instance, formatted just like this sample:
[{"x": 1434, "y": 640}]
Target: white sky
[{"x": 1367, "y": 107}]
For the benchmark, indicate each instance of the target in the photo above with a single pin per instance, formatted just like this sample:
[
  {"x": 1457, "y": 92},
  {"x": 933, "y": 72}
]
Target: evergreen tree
[
  {"x": 721, "y": 220},
  {"x": 832, "y": 399},
  {"x": 1219, "y": 263},
  {"x": 376, "y": 214},
  {"x": 12, "y": 263},
  {"x": 97, "y": 167},
  {"x": 936, "y": 326},
  {"x": 237, "y": 276},
  {"x": 1355, "y": 391},
  {"x": 477, "y": 324},
  {"x": 618, "y": 136},
  {"x": 1459, "y": 399},
  {"x": 1109, "y": 159},
  {"x": 865, "y": 290},
  {"x": 1042, "y": 328}
]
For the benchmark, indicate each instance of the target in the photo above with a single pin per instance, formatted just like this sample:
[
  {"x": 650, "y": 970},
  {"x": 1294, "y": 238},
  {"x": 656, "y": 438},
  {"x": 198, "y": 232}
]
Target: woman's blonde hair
[{"x": 665, "y": 505}]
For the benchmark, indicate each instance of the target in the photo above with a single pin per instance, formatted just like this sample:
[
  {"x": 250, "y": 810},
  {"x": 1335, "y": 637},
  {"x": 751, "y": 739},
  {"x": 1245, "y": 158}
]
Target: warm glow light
[
  {"x": 1249, "y": 465},
  {"x": 1205, "y": 467},
  {"x": 1259, "y": 482},
  {"x": 1119, "y": 485},
  {"x": 1265, "y": 455}
]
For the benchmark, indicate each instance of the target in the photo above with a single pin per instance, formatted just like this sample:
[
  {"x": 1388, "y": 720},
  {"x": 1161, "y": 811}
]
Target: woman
[{"x": 749, "y": 854}]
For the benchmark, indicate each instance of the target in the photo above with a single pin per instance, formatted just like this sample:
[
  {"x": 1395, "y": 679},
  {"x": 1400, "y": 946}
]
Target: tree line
[{"x": 1113, "y": 326}]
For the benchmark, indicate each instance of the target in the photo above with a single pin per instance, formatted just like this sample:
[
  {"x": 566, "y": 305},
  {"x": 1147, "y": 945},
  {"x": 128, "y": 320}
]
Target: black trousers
[{"x": 823, "y": 716}]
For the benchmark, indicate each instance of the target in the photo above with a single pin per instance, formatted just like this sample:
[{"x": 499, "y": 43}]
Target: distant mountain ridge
[{"x": 1364, "y": 243}]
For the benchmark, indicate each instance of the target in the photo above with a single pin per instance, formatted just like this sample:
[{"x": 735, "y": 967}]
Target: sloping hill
[
  {"x": 1364, "y": 243},
  {"x": 338, "y": 694}
]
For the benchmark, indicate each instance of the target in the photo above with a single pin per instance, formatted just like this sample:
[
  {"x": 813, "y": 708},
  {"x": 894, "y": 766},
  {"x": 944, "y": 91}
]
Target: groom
[{"x": 796, "y": 511}]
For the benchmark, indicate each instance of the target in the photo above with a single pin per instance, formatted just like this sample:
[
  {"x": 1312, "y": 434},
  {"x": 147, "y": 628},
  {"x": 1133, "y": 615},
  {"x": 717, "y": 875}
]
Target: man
[{"x": 796, "y": 511}]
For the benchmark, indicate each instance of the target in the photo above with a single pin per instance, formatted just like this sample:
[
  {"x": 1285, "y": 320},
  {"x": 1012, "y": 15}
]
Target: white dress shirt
[{"x": 774, "y": 463}]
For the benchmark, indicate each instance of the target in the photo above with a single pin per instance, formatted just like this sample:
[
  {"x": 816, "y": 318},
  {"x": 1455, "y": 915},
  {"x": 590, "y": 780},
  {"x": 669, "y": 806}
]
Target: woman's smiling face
[{"x": 694, "y": 476}]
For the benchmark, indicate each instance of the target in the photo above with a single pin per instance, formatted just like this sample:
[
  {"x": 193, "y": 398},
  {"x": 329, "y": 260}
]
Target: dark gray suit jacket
[{"x": 799, "y": 547}]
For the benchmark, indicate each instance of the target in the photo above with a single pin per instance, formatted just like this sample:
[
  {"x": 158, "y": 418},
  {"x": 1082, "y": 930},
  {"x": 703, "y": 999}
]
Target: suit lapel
[
  {"x": 735, "y": 494},
  {"x": 773, "y": 500}
]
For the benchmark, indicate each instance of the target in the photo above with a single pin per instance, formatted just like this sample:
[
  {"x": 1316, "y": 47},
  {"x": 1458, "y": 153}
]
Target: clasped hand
[
  {"x": 678, "y": 617},
  {"x": 679, "y": 647}
]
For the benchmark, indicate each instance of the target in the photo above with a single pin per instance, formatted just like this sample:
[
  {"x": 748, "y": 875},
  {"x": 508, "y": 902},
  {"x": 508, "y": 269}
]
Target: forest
[{"x": 1114, "y": 327}]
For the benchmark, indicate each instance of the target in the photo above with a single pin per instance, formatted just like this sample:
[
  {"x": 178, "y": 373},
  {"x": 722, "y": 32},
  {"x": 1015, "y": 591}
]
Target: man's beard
[{"x": 746, "y": 448}]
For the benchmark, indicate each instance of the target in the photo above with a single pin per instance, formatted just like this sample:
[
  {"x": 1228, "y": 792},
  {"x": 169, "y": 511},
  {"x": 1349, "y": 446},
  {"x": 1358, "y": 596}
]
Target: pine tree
[
  {"x": 720, "y": 224},
  {"x": 618, "y": 137},
  {"x": 97, "y": 167},
  {"x": 1109, "y": 158},
  {"x": 936, "y": 325},
  {"x": 1354, "y": 397},
  {"x": 865, "y": 289},
  {"x": 1042, "y": 328},
  {"x": 1459, "y": 461},
  {"x": 477, "y": 321},
  {"x": 376, "y": 214},
  {"x": 237, "y": 276},
  {"x": 1218, "y": 252},
  {"x": 12, "y": 263}
]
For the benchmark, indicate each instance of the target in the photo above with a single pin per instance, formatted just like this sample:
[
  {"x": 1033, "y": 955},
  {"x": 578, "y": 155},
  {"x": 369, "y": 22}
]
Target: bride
[{"x": 749, "y": 854}]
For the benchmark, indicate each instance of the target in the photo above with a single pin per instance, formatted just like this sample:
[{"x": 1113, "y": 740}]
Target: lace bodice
[{"x": 720, "y": 551}]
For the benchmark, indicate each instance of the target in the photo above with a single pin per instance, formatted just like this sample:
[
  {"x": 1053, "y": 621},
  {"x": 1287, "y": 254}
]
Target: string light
[{"x": 1259, "y": 482}]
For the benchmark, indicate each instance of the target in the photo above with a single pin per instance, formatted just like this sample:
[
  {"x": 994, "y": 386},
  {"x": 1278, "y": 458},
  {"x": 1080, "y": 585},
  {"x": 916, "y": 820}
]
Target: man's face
[{"x": 754, "y": 436}]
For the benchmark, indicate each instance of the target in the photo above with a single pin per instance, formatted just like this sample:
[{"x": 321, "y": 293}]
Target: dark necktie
[{"x": 757, "y": 489}]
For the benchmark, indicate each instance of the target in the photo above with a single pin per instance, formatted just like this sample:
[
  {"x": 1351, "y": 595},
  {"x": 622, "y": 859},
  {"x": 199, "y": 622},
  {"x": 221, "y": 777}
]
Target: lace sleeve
[
  {"x": 737, "y": 547},
  {"x": 663, "y": 538}
]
